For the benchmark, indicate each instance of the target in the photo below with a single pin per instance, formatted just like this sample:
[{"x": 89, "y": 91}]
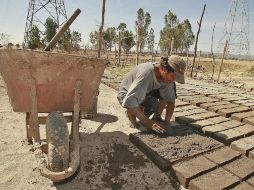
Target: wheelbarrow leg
[
  {"x": 33, "y": 119},
  {"x": 29, "y": 130},
  {"x": 76, "y": 112}
]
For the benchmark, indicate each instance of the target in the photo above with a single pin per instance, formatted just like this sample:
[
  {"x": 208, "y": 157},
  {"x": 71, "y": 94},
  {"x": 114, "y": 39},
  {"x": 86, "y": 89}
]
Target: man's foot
[{"x": 135, "y": 125}]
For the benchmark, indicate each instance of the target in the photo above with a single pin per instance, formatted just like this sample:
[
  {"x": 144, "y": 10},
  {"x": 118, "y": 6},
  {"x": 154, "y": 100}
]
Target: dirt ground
[{"x": 108, "y": 159}]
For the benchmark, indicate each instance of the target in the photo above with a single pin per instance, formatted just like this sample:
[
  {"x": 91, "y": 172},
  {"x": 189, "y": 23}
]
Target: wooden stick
[
  {"x": 196, "y": 44},
  {"x": 224, "y": 52},
  {"x": 101, "y": 27}
]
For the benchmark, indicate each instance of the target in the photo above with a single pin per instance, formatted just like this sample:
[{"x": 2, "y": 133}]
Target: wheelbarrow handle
[{"x": 62, "y": 30}]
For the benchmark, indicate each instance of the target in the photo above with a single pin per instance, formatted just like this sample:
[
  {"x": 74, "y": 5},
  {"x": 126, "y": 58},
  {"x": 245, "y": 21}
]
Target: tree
[
  {"x": 121, "y": 28},
  {"x": 141, "y": 27},
  {"x": 127, "y": 42},
  {"x": 34, "y": 40},
  {"x": 65, "y": 41},
  {"x": 50, "y": 29},
  {"x": 169, "y": 31},
  {"x": 188, "y": 36},
  {"x": 76, "y": 40},
  {"x": 150, "y": 40},
  {"x": 109, "y": 36},
  {"x": 94, "y": 38},
  {"x": 4, "y": 39}
]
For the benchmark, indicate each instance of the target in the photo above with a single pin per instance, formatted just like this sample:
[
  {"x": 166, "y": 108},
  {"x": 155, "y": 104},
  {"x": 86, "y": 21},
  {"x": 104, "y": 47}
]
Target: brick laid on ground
[
  {"x": 251, "y": 180},
  {"x": 190, "y": 169},
  {"x": 222, "y": 155},
  {"x": 207, "y": 105},
  {"x": 229, "y": 111},
  {"x": 251, "y": 154},
  {"x": 180, "y": 143},
  {"x": 249, "y": 120},
  {"x": 209, "y": 130},
  {"x": 198, "y": 125},
  {"x": 185, "y": 119},
  {"x": 231, "y": 124},
  {"x": 241, "y": 116},
  {"x": 197, "y": 102},
  {"x": 218, "y": 120},
  {"x": 216, "y": 108},
  {"x": 246, "y": 129},
  {"x": 179, "y": 103},
  {"x": 214, "y": 180},
  {"x": 228, "y": 136},
  {"x": 243, "y": 145},
  {"x": 243, "y": 167},
  {"x": 243, "y": 186}
]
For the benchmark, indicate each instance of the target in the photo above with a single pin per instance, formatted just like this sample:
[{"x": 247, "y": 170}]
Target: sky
[{"x": 13, "y": 16}]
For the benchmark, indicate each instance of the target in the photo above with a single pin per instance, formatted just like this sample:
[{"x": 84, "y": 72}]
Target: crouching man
[{"x": 149, "y": 88}]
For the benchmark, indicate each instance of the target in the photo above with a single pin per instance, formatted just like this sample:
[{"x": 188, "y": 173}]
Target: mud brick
[
  {"x": 189, "y": 96},
  {"x": 246, "y": 129},
  {"x": 199, "y": 101},
  {"x": 207, "y": 105},
  {"x": 179, "y": 103},
  {"x": 198, "y": 125},
  {"x": 241, "y": 101},
  {"x": 232, "y": 124},
  {"x": 234, "y": 98},
  {"x": 241, "y": 116},
  {"x": 182, "y": 113},
  {"x": 197, "y": 111},
  {"x": 216, "y": 108},
  {"x": 190, "y": 169},
  {"x": 184, "y": 119},
  {"x": 249, "y": 104},
  {"x": 218, "y": 119},
  {"x": 229, "y": 111},
  {"x": 228, "y": 136},
  {"x": 249, "y": 120},
  {"x": 189, "y": 107},
  {"x": 251, "y": 180},
  {"x": 202, "y": 116},
  {"x": 243, "y": 167},
  {"x": 209, "y": 130},
  {"x": 251, "y": 154},
  {"x": 243, "y": 186},
  {"x": 214, "y": 180},
  {"x": 243, "y": 145},
  {"x": 222, "y": 155},
  {"x": 180, "y": 143}
]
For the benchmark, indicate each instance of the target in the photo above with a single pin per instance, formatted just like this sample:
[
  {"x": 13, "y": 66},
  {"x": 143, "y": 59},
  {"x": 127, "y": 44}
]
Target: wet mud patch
[
  {"x": 120, "y": 160},
  {"x": 179, "y": 144}
]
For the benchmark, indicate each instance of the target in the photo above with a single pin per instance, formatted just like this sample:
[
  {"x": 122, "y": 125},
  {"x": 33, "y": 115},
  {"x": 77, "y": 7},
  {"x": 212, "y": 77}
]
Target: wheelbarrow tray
[{"x": 54, "y": 76}]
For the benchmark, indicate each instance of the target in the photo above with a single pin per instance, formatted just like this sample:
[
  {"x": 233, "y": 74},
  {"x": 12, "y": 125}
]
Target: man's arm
[
  {"x": 149, "y": 124},
  {"x": 169, "y": 111}
]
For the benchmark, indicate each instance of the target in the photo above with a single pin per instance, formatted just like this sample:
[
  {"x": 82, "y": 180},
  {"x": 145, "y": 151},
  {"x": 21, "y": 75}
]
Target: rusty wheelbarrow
[{"x": 46, "y": 82}]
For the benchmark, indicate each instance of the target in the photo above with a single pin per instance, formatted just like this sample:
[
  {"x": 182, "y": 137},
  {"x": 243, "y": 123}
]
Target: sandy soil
[{"x": 108, "y": 159}]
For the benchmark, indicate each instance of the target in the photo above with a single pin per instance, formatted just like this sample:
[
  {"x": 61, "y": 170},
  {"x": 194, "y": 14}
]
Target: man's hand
[{"x": 157, "y": 128}]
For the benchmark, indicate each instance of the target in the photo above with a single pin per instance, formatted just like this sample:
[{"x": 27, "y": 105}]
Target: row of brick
[
  {"x": 220, "y": 128},
  {"x": 197, "y": 161}
]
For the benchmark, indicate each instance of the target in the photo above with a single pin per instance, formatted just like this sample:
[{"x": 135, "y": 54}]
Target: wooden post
[
  {"x": 224, "y": 52},
  {"x": 199, "y": 56},
  {"x": 213, "y": 57},
  {"x": 101, "y": 27},
  {"x": 29, "y": 129},
  {"x": 137, "y": 46},
  {"x": 119, "y": 48},
  {"x": 196, "y": 44},
  {"x": 187, "y": 60}
]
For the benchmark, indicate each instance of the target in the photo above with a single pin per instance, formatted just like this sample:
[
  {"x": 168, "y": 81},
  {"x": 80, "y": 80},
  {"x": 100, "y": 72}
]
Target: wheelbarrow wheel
[{"x": 58, "y": 142}]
